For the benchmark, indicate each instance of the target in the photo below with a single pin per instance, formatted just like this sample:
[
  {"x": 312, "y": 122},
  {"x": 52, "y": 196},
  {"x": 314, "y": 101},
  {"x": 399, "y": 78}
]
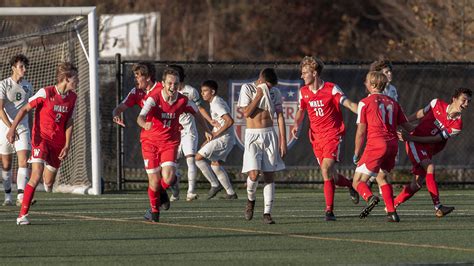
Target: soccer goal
[{"x": 47, "y": 36}]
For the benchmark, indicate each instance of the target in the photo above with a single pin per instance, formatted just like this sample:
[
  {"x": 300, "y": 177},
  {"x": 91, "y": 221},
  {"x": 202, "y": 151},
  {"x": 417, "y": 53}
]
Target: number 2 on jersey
[
  {"x": 386, "y": 110},
  {"x": 58, "y": 118}
]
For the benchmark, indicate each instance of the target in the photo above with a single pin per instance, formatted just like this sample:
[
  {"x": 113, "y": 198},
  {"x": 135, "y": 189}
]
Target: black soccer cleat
[
  {"x": 213, "y": 192},
  {"x": 164, "y": 200},
  {"x": 371, "y": 203},
  {"x": 155, "y": 217},
  {"x": 392, "y": 217},
  {"x": 354, "y": 195},
  {"x": 249, "y": 210},
  {"x": 267, "y": 219},
  {"x": 330, "y": 216},
  {"x": 443, "y": 211}
]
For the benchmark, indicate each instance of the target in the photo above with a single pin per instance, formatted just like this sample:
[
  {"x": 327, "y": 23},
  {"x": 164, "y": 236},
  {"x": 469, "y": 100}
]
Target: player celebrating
[
  {"x": 222, "y": 143},
  {"x": 322, "y": 101},
  {"x": 160, "y": 145},
  {"x": 263, "y": 149},
  {"x": 144, "y": 74},
  {"x": 14, "y": 94},
  {"x": 52, "y": 131},
  {"x": 189, "y": 137},
  {"x": 438, "y": 122},
  {"x": 377, "y": 121}
]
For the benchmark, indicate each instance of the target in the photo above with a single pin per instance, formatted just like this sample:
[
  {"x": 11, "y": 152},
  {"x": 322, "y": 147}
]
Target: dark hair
[
  {"x": 379, "y": 65},
  {"x": 270, "y": 75},
  {"x": 170, "y": 71},
  {"x": 145, "y": 69},
  {"x": 19, "y": 58},
  {"x": 462, "y": 90},
  {"x": 180, "y": 71},
  {"x": 211, "y": 84}
]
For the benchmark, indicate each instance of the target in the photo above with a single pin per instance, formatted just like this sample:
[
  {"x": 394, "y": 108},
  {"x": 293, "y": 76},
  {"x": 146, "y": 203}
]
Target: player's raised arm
[
  {"x": 350, "y": 105},
  {"x": 117, "y": 112}
]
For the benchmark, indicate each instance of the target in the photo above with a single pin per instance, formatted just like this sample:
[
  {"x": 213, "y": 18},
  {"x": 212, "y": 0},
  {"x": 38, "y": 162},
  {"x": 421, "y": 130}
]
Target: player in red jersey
[
  {"x": 322, "y": 101},
  {"x": 378, "y": 118},
  {"x": 438, "y": 122},
  {"x": 52, "y": 131},
  {"x": 160, "y": 144}
]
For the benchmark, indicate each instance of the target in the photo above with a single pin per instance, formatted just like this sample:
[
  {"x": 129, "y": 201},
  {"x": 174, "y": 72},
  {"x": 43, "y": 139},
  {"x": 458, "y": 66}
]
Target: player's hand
[
  {"x": 294, "y": 132},
  {"x": 355, "y": 159},
  {"x": 215, "y": 124},
  {"x": 283, "y": 148},
  {"x": 118, "y": 121},
  {"x": 403, "y": 135},
  {"x": 63, "y": 154},
  {"x": 147, "y": 125},
  {"x": 209, "y": 136},
  {"x": 11, "y": 136}
]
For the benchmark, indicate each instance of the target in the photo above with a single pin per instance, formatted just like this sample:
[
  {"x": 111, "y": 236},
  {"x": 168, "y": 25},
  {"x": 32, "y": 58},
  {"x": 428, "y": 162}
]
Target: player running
[{"x": 438, "y": 122}]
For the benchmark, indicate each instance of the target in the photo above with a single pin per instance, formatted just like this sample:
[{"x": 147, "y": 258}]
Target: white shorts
[
  {"x": 22, "y": 143},
  {"x": 188, "y": 145},
  {"x": 262, "y": 151},
  {"x": 218, "y": 149}
]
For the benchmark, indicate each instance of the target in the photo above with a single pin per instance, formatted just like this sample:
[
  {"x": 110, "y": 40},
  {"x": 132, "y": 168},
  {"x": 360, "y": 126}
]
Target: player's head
[
  {"x": 461, "y": 99},
  {"x": 170, "y": 81},
  {"x": 67, "y": 75},
  {"x": 144, "y": 73},
  {"x": 180, "y": 71},
  {"x": 269, "y": 76},
  {"x": 208, "y": 90},
  {"x": 311, "y": 68},
  {"x": 375, "y": 81},
  {"x": 383, "y": 66},
  {"x": 19, "y": 63}
]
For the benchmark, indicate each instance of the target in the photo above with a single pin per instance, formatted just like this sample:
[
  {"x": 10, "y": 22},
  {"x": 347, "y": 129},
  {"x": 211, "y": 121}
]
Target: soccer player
[
  {"x": 14, "y": 94},
  {"x": 160, "y": 145},
  {"x": 222, "y": 143},
  {"x": 189, "y": 138},
  {"x": 386, "y": 68},
  {"x": 264, "y": 150},
  {"x": 377, "y": 121},
  {"x": 52, "y": 131},
  {"x": 322, "y": 101},
  {"x": 438, "y": 122},
  {"x": 145, "y": 84}
]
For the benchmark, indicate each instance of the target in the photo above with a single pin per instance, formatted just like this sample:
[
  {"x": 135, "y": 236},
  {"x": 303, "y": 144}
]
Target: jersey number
[
  {"x": 319, "y": 111},
  {"x": 18, "y": 96},
  {"x": 58, "y": 118},
  {"x": 386, "y": 110},
  {"x": 166, "y": 123}
]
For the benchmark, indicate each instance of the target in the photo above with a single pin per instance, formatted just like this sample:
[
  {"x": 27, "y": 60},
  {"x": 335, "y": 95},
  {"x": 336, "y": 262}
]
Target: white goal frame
[{"x": 90, "y": 11}]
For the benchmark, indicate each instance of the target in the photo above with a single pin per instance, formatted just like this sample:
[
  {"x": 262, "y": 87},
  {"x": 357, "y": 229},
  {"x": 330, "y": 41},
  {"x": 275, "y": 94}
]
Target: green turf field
[{"x": 109, "y": 229}]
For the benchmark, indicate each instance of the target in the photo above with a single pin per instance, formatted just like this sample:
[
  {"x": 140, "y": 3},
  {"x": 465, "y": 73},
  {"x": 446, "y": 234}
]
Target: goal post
[{"x": 92, "y": 141}]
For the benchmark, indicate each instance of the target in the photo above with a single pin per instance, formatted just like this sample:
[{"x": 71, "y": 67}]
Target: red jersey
[
  {"x": 53, "y": 111},
  {"x": 382, "y": 114},
  {"x": 323, "y": 108},
  {"x": 165, "y": 116},
  {"x": 435, "y": 122}
]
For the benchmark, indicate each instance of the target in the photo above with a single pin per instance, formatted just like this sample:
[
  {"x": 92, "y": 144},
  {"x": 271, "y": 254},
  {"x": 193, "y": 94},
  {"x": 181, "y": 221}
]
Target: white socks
[
  {"x": 207, "y": 172},
  {"x": 223, "y": 178},
  {"x": 251, "y": 189},
  {"x": 7, "y": 184},
  {"x": 268, "y": 195},
  {"x": 192, "y": 174}
]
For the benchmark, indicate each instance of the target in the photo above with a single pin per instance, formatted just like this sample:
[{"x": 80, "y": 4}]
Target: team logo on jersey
[
  {"x": 36, "y": 152},
  {"x": 289, "y": 92}
]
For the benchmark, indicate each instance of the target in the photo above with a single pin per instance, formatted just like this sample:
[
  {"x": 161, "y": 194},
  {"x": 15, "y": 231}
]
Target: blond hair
[
  {"x": 65, "y": 70},
  {"x": 315, "y": 64},
  {"x": 377, "y": 80}
]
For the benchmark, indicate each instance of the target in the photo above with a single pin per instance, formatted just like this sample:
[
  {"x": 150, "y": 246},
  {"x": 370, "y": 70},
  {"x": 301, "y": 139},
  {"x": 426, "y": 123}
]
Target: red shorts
[
  {"x": 378, "y": 155},
  {"x": 157, "y": 154},
  {"x": 418, "y": 152},
  {"x": 326, "y": 148},
  {"x": 47, "y": 152}
]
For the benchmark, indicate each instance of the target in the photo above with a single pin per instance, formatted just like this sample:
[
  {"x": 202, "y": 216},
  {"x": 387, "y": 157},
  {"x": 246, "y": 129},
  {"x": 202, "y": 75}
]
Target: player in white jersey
[
  {"x": 14, "y": 94},
  {"x": 189, "y": 137},
  {"x": 386, "y": 68},
  {"x": 222, "y": 143}
]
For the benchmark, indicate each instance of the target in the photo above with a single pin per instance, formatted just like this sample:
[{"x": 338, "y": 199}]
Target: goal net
[{"x": 48, "y": 40}]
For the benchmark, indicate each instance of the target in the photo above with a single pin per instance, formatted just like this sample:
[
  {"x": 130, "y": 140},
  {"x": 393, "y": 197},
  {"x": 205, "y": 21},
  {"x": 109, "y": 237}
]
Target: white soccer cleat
[
  {"x": 22, "y": 220},
  {"x": 8, "y": 202},
  {"x": 174, "y": 198},
  {"x": 191, "y": 197}
]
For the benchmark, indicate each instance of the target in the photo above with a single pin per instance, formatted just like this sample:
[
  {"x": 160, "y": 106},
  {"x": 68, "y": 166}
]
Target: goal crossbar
[{"x": 90, "y": 12}]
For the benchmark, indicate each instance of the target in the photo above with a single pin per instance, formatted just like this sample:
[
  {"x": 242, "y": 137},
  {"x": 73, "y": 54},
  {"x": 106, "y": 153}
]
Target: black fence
[{"x": 417, "y": 84}]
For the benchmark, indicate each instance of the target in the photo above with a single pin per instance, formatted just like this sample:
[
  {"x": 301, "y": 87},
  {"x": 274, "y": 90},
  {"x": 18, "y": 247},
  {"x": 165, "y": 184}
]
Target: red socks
[
  {"x": 163, "y": 184},
  {"x": 329, "y": 194},
  {"x": 364, "y": 190},
  {"x": 404, "y": 195},
  {"x": 154, "y": 198},
  {"x": 27, "y": 197},
  {"x": 387, "y": 194},
  {"x": 342, "y": 181},
  {"x": 432, "y": 188}
]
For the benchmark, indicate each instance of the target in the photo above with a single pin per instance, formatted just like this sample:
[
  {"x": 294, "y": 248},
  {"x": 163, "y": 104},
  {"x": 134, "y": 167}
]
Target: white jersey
[
  {"x": 249, "y": 91},
  {"x": 391, "y": 92},
  {"x": 14, "y": 97},
  {"x": 218, "y": 107},
  {"x": 187, "y": 120}
]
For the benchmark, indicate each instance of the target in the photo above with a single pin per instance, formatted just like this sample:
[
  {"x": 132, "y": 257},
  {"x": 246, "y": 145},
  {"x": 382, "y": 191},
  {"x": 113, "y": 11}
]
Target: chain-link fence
[{"x": 417, "y": 85}]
